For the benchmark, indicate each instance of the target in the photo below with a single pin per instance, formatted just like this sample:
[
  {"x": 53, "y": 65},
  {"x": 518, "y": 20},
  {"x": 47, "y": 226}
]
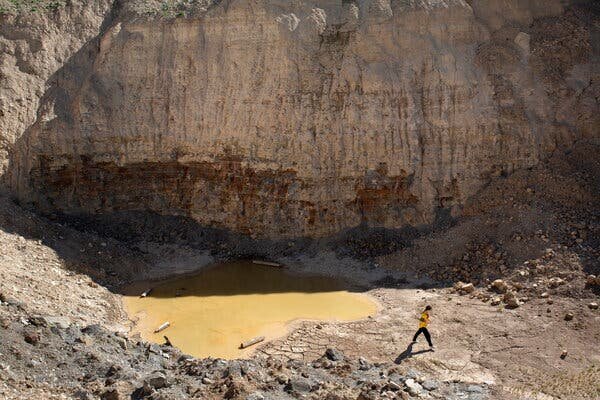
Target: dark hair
[{"x": 427, "y": 308}]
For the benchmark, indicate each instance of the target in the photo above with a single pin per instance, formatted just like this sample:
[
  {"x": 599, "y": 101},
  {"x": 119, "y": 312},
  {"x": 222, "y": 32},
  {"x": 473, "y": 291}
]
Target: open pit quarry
[{"x": 380, "y": 155}]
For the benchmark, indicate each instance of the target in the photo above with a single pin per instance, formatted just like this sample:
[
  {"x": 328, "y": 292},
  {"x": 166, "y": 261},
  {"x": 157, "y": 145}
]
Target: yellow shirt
[{"x": 424, "y": 320}]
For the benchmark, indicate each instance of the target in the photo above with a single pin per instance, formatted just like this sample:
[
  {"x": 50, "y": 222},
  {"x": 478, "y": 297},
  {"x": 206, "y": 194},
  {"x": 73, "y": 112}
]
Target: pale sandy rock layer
[
  {"x": 33, "y": 46},
  {"x": 306, "y": 118}
]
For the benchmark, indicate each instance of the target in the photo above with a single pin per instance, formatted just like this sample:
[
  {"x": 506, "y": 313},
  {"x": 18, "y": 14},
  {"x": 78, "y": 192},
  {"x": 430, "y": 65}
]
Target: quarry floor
[{"x": 537, "y": 230}]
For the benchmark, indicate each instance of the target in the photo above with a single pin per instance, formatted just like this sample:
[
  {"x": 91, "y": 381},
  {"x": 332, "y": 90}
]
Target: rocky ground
[
  {"x": 513, "y": 284},
  {"x": 47, "y": 358}
]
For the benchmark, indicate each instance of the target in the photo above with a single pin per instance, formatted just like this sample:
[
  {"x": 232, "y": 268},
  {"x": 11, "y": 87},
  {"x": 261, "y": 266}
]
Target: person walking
[{"x": 423, "y": 322}]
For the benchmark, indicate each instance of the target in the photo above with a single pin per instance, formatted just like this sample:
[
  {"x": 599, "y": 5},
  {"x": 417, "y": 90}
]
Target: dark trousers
[{"x": 426, "y": 333}]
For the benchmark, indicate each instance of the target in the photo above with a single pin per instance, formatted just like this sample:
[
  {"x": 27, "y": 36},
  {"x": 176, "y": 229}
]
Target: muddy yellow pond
[{"x": 212, "y": 312}]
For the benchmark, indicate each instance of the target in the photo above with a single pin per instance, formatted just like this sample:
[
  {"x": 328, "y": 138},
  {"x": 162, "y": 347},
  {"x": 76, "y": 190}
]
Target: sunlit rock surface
[{"x": 306, "y": 118}]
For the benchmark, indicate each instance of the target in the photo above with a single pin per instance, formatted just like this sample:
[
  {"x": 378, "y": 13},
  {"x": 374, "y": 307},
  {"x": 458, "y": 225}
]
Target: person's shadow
[{"x": 408, "y": 353}]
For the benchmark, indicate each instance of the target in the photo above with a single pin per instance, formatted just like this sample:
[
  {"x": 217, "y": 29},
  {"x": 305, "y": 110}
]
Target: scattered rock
[
  {"x": 184, "y": 357},
  {"x": 510, "y": 300},
  {"x": 94, "y": 329},
  {"x": 593, "y": 306},
  {"x": 555, "y": 282},
  {"x": 388, "y": 395},
  {"x": 232, "y": 392},
  {"x": 394, "y": 385},
  {"x": 474, "y": 389},
  {"x": 141, "y": 392},
  {"x": 363, "y": 364},
  {"x": 592, "y": 282},
  {"x": 62, "y": 322},
  {"x": 234, "y": 370},
  {"x": 82, "y": 395},
  {"x": 411, "y": 373},
  {"x": 334, "y": 355},
  {"x": 122, "y": 342},
  {"x": 368, "y": 395},
  {"x": 298, "y": 385},
  {"x": 464, "y": 288},
  {"x": 84, "y": 339},
  {"x": 157, "y": 381},
  {"x": 154, "y": 349},
  {"x": 412, "y": 387},
  {"x": 31, "y": 337},
  {"x": 282, "y": 379},
  {"x": 113, "y": 371},
  {"x": 4, "y": 322},
  {"x": 430, "y": 384},
  {"x": 564, "y": 354},
  {"x": 37, "y": 321},
  {"x": 499, "y": 286},
  {"x": 121, "y": 334},
  {"x": 110, "y": 394},
  {"x": 569, "y": 316}
]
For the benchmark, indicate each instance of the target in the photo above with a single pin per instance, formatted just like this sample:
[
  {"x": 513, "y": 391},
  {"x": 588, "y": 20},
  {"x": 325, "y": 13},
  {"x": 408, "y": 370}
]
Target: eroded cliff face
[
  {"x": 305, "y": 118},
  {"x": 33, "y": 47}
]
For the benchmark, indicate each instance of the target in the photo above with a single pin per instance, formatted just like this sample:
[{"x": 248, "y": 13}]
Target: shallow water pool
[{"x": 213, "y": 311}]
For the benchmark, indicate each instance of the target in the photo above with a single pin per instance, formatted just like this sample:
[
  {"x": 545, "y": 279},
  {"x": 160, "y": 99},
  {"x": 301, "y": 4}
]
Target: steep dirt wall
[
  {"x": 283, "y": 119},
  {"x": 33, "y": 46}
]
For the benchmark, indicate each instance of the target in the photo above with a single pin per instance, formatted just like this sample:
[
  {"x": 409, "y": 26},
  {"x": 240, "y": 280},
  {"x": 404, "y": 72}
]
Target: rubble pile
[{"x": 90, "y": 362}]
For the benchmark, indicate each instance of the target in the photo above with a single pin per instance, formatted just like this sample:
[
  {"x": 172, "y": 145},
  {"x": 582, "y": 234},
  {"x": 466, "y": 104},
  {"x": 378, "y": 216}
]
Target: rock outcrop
[
  {"x": 306, "y": 118},
  {"x": 34, "y": 45}
]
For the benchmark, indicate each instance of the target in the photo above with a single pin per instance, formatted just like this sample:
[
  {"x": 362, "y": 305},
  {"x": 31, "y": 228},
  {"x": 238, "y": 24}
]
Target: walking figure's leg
[
  {"x": 427, "y": 336},
  {"x": 417, "y": 334}
]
